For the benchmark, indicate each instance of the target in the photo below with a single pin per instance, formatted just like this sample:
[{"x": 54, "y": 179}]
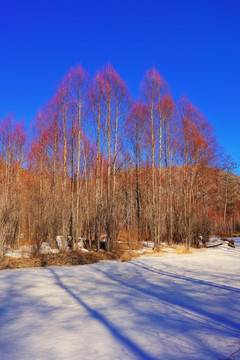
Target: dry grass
[
  {"x": 157, "y": 252},
  {"x": 60, "y": 259},
  {"x": 182, "y": 250},
  {"x": 130, "y": 238},
  {"x": 128, "y": 256},
  {"x": 124, "y": 252},
  {"x": 126, "y": 243}
]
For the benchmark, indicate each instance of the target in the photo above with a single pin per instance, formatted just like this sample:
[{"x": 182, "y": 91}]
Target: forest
[{"x": 97, "y": 163}]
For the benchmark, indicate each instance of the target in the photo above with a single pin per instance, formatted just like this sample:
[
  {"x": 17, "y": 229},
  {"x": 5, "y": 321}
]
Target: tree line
[{"x": 103, "y": 164}]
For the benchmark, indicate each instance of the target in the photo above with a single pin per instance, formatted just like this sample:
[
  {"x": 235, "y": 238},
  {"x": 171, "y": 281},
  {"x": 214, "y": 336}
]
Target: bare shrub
[{"x": 182, "y": 250}]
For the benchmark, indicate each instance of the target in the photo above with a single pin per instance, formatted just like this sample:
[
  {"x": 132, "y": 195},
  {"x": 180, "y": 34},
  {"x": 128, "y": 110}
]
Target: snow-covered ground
[
  {"x": 27, "y": 250},
  {"x": 168, "y": 307}
]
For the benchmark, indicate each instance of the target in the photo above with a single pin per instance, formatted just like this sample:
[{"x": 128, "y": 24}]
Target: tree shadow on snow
[
  {"x": 183, "y": 302},
  {"x": 186, "y": 278},
  {"x": 134, "y": 348}
]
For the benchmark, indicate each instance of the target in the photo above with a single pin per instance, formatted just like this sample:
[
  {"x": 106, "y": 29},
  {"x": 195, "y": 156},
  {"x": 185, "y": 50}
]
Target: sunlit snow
[{"x": 168, "y": 307}]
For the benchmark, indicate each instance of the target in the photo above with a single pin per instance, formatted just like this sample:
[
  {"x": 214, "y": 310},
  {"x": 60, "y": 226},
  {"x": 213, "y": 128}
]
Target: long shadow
[
  {"x": 98, "y": 316},
  {"x": 185, "y": 306},
  {"x": 186, "y": 278},
  {"x": 173, "y": 269},
  {"x": 20, "y": 312}
]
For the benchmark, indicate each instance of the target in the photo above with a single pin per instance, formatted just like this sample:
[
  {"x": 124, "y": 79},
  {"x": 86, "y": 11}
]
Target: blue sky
[{"x": 195, "y": 45}]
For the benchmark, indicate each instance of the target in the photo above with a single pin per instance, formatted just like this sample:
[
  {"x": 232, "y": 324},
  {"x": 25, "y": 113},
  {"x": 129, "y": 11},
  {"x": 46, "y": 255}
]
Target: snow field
[{"x": 168, "y": 307}]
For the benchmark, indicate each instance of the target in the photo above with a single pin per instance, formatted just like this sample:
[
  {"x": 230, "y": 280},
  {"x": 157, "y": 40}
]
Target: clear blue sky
[{"x": 195, "y": 44}]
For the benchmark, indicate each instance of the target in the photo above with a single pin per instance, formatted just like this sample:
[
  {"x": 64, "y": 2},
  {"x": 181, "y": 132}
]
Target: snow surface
[
  {"x": 169, "y": 307},
  {"x": 27, "y": 250}
]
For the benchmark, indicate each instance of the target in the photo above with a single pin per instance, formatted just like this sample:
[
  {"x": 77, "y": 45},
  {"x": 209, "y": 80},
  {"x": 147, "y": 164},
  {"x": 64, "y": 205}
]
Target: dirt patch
[{"x": 61, "y": 259}]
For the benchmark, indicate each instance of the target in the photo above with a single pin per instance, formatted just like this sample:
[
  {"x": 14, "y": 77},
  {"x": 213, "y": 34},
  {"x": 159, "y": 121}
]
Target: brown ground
[
  {"x": 61, "y": 259},
  {"x": 121, "y": 252}
]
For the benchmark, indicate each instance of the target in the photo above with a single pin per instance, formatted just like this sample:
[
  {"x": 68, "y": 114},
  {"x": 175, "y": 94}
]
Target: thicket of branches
[{"x": 101, "y": 163}]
